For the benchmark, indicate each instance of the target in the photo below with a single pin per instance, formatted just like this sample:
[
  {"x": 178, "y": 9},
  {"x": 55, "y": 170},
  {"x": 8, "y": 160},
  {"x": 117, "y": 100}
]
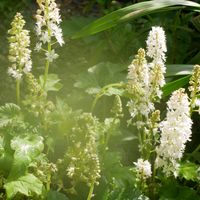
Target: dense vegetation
[{"x": 101, "y": 105}]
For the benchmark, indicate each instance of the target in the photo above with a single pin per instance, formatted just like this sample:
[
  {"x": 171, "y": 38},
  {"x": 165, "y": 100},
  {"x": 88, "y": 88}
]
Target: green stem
[
  {"x": 90, "y": 194},
  {"x": 48, "y": 185},
  {"x": 47, "y": 66},
  {"x": 102, "y": 92},
  {"x": 18, "y": 91},
  {"x": 196, "y": 150}
]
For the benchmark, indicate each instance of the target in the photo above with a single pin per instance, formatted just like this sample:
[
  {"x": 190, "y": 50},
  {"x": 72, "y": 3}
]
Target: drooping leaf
[
  {"x": 130, "y": 13},
  {"x": 52, "y": 82},
  {"x": 174, "y": 85},
  {"x": 26, "y": 185}
]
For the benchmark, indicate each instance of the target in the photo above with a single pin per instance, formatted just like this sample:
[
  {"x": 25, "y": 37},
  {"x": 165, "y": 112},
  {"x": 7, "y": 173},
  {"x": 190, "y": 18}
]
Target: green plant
[{"x": 133, "y": 148}]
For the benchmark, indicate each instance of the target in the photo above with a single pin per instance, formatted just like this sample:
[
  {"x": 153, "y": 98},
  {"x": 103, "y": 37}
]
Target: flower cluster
[
  {"x": 143, "y": 168},
  {"x": 156, "y": 49},
  {"x": 117, "y": 109},
  {"x": 19, "y": 54},
  {"x": 175, "y": 132},
  {"x": 138, "y": 86},
  {"x": 156, "y": 45},
  {"x": 48, "y": 26},
  {"x": 146, "y": 79},
  {"x": 195, "y": 87},
  {"x": 82, "y": 152}
]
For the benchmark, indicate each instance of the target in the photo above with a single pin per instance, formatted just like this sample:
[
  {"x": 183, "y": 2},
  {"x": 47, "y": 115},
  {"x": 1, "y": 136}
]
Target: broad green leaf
[
  {"x": 52, "y": 83},
  {"x": 174, "y": 85},
  {"x": 172, "y": 191},
  {"x": 177, "y": 70},
  {"x": 26, "y": 185},
  {"x": 100, "y": 75},
  {"x": 189, "y": 171},
  {"x": 54, "y": 195},
  {"x": 27, "y": 148},
  {"x": 18, "y": 169},
  {"x": 130, "y": 13}
]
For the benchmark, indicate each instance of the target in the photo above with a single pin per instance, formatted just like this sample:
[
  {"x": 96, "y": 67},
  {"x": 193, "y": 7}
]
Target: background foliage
[{"x": 85, "y": 66}]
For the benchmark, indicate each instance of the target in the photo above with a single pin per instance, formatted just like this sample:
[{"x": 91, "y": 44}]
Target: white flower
[
  {"x": 71, "y": 171},
  {"x": 175, "y": 132},
  {"x": 38, "y": 46},
  {"x": 138, "y": 86},
  {"x": 14, "y": 73},
  {"x": 19, "y": 54},
  {"x": 50, "y": 56},
  {"x": 156, "y": 49},
  {"x": 156, "y": 45},
  {"x": 48, "y": 22},
  {"x": 157, "y": 79},
  {"x": 138, "y": 71},
  {"x": 27, "y": 67},
  {"x": 143, "y": 168}
]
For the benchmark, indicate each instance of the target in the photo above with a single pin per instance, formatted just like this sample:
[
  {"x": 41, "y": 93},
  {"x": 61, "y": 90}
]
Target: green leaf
[
  {"x": 27, "y": 148},
  {"x": 26, "y": 185},
  {"x": 174, "y": 85},
  {"x": 189, "y": 171},
  {"x": 100, "y": 75},
  {"x": 129, "y": 13},
  {"x": 9, "y": 113},
  {"x": 170, "y": 190},
  {"x": 52, "y": 83},
  {"x": 54, "y": 195},
  {"x": 18, "y": 169}
]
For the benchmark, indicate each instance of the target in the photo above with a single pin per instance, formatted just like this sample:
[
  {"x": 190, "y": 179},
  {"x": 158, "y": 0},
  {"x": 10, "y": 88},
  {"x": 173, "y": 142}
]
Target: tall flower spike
[
  {"x": 138, "y": 86},
  {"x": 156, "y": 49},
  {"x": 156, "y": 45},
  {"x": 175, "y": 132},
  {"x": 48, "y": 23},
  {"x": 19, "y": 54}
]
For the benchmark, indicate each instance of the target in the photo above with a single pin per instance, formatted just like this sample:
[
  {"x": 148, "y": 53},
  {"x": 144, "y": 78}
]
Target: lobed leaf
[
  {"x": 52, "y": 83},
  {"x": 26, "y": 185}
]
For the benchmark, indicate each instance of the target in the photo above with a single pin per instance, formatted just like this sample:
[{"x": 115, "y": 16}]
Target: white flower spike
[
  {"x": 156, "y": 45},
  {"x": 48, "y": 22},
  {"x": 175, "y": 132},
  {"x": 19, "y": 53}
]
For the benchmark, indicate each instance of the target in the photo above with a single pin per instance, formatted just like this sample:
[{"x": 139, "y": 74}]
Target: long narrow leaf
[
  {"x": 131, "y": 12},
  {"x": 174, "y": 85}
]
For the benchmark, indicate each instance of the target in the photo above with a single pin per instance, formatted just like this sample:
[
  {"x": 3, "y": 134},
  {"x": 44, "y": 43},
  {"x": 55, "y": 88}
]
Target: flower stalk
[
  {"x": 19, "y": 53},
  {"x": 90, "y": 194},
  {"x": 48, "y": 31}
]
